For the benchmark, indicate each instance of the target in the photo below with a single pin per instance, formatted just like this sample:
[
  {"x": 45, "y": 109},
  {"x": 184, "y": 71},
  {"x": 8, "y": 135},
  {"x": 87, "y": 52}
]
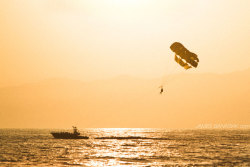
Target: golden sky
[
  {"x": 50, "y": 46},
  {"x": 93, "y": 39}
]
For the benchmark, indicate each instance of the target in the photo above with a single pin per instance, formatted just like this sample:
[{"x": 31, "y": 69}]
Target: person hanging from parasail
[
  {"x": 183, "y": 57},
  {"x": 161, "y": 89}
]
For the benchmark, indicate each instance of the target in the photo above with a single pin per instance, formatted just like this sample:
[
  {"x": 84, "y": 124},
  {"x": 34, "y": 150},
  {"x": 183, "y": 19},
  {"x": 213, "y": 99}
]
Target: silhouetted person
[
  {"x": 161, "y": 91},
  {"x": 75, "y": 131}
]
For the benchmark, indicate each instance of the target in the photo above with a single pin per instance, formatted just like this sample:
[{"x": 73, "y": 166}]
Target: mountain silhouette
[{"x": 188, "y": 100}]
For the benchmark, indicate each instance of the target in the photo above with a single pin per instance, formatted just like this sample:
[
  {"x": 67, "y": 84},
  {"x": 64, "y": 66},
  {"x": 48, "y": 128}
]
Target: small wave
[
  {"x": 8, "y": 160},
  {"x": 101, "y": 157},
  {"x": 134, "y": 159},
  {"x": 70, "y": 164},
  {"x": 129, "y": 145}
]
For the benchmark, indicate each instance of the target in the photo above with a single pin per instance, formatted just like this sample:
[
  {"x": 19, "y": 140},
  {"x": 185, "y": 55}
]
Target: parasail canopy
[{"x": 183, "y": 56}]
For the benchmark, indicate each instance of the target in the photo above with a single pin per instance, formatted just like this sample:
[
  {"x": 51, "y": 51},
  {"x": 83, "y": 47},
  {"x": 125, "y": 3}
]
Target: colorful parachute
[{"x": 183, "y": 56}]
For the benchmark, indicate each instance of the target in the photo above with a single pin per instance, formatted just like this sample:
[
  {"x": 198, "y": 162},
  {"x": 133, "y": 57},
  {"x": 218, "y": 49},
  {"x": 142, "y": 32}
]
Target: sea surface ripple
[{"x": 126, "y": 147}]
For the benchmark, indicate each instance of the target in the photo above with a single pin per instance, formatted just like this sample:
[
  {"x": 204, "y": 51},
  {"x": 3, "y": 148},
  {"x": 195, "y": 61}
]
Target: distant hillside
[{"x": 188, "y": 100}]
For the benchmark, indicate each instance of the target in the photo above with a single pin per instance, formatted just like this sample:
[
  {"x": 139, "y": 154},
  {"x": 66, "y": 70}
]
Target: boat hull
[{"x": 68, "y": 136}]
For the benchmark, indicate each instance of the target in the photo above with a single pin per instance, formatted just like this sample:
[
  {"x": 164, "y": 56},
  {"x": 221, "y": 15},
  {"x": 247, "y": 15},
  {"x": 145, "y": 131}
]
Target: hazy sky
[
  {"x": 93, "y": 39},
  {"x": 87, "y": 40}
]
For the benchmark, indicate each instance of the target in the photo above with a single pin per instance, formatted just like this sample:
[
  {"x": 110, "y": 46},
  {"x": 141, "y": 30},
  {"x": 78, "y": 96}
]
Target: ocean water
[{"x": 156, "y": 147}]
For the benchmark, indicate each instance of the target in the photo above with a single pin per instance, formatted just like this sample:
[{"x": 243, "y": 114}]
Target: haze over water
[{"x": 31, "y": 147}]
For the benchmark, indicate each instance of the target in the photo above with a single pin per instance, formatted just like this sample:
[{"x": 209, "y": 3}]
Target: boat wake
[{"x": 131, "y": 137}]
